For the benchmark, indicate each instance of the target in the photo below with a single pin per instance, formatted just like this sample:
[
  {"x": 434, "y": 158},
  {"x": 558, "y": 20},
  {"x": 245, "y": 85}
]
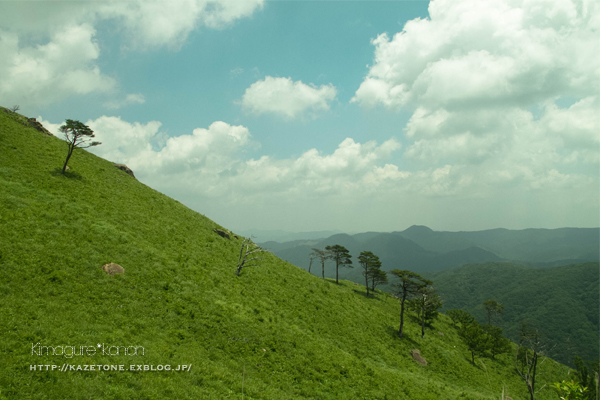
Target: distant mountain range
[
  {"x": 422, "y": 249},
  {"x": 542, "y": 247}
]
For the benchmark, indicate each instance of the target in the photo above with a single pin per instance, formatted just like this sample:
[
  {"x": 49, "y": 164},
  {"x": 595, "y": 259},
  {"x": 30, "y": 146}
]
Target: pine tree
[
  {"x": 408, "y": 287},
  {"x": 426, "y": 306},
  {"x": 370, "y": 264},
  {"x": 341, "y": 256},
  {"x": 77, "y": 136}
]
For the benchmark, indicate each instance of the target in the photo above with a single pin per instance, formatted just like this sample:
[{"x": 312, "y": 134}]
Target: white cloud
[
  {"x": 577, "y": 128},
  {"x": 495, "y": 150},
  {"x": 210, "y": 162},
  {"x": 286, "y": 97},
  {"x": 473, "y": 74},
  {"x": 207, "y": 152},
  {"x": 44, "y": 17},
  {"x": 128, "y": 100},
  {"x": 208, "y": 170},
  {"x": 313, "y": 174},
  {"x": 146, "y": 23},
  {"x": 47, "y": 73},
  {"x": 510, "y": 135},
  {"x": 51, "y": 53},
  {"x": 218, "y": 14},
  {"x": 122, "y": 141},
  {"x": 480, "y": 54},
  {"x": 152, "y": 24}
]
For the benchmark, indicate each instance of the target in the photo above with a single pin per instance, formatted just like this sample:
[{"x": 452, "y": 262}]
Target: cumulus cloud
[
  {"x": 495, "y": 150},
  {"x": 483, "y": 81},
  {"x": 481, "y": 54},
  {"x": 206, "y": 152},
  {"x": 47, "y": 73},
  {"x": 208, "y": 170},
  {"x": 576, "y": 127},
  {"x": 480, "y": 136},
  {"x": 285, "y": 97},
  {"x": 145, "y": 23},
  {"x": 152, "y": 24},
  {"x": 210, "y": 162},
  {"x": 314, "y": 174},
  {"x": 52, "y": 54},
  {"x": 121, "y": 140}
]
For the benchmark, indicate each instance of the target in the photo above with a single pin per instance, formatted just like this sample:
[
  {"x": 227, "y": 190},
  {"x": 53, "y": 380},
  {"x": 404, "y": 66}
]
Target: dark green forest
[{"x": 562, "y": 302}]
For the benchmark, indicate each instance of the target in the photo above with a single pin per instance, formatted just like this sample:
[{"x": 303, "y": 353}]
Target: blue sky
[{"x": 323, "y": 115}]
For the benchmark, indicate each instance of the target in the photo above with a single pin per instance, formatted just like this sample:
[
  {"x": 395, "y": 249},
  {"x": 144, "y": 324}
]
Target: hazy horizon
[{"x": 281, "y": 236}]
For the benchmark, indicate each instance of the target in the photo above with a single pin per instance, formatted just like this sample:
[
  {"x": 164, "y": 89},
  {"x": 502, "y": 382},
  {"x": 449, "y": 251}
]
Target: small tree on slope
[
  {"x": 378, "y": 277},
  {"x": 408, "y": 287},
  {"x": 369, "y": 263},
  {"x": 341, "y": 256},
  {"x": 323, "y": 256},
  {"x": 527, "y": 357},
  {"x": 77, "y": 136},
  {"x": 248, "y": 248},
  {"x": 426, "y": 305}
]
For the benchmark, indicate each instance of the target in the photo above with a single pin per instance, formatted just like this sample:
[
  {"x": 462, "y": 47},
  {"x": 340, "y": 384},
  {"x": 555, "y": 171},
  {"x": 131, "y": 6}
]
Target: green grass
[{"x": 295, "y": 335}]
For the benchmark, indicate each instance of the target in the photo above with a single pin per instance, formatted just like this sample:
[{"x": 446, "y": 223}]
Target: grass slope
[
  {"x": 561, "y": 301},
  {"x": 275, "y": 332}
]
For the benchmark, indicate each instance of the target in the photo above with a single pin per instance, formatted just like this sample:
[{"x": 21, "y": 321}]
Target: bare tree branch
[
  {"x": 528, "y": 358},
  {"x": 537, "y": 391},
  {"x": 245, "y": 251}
]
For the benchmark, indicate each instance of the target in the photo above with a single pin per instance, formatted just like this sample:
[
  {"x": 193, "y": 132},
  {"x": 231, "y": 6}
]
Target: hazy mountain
[
  {"x": 439, "y": 242},
  {"x": 420, "y": 248},
  {"x": 277, "y": 247},
  {"x": 527, "y": 245},
  {"x": 394, "y": 251}
]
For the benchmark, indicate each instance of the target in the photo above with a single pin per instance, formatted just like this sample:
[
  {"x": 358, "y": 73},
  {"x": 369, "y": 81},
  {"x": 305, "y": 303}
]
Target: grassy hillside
[
  {"x": 561, "y": 301},
  {"x": 275, "y": 332}
]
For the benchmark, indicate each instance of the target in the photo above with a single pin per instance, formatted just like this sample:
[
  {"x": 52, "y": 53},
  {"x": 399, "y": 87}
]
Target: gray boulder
[{"x": 125, "y": 168}]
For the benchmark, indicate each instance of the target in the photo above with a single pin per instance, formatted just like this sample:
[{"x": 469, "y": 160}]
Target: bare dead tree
[
  {"x": 527, "y": 359},
  {"x": 248, "y": 249},
  {"x": 15, "y": 109},
  {"x": 312, "y": 257},
  {"x": 322, "y": 255}
]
